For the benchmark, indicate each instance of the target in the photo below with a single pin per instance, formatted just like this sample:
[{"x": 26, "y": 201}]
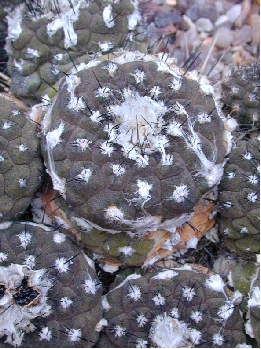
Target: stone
[
  {"x": 221, "y": 21},
  {"x": 204, "y": 25},
  {"x": 164, "y": 19},
  {"x": 225, "y": 37},
  {"x": 234, "y": 13},
  {"x": 242, "y": 35}
]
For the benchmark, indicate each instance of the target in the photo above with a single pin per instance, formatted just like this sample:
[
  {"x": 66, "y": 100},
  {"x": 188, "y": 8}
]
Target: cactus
[
  {"x": 171, "y": 308},
  {"x": 50, "y": 295},
  {"x": 239, "y": 198},
  {"x": 240, "y": 96},
  {"x": 129, "y": 150},
  {"x": 20, "y": 160},
  {"x": 47, "y": 38}
]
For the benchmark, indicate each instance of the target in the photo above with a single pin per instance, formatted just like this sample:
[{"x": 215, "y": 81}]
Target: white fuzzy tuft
[
  {"x": 166, "y": 332},
  {"x": 25, "y": 238},
  {"x": 134, "y": 292},
  {"x": 58, "y": 238},
  {"x": 3, "y": 256},
  {"x": 45, "y": 334},
  {"x": 65, "y": 302},
  {"x": 108, "y": 16},
  {"x": 105, "y": 46},
  {"x": 14, "y": 20},
  {"x": 141, "y": 320},
  {"x": 180, "y": 193},
  {"x": 215, "y": 283},
  {"x": 74, "y": 334},
  {"x": 119, "y": 331},
  {"x": 53, "y": 137},
  {"x": 127, "y": 250},
  {"x": 113, "y": 213},
  {"x": 82, "y": 143},
  {"x": 188, "y": 293},
  {"x": 159, "y": 299},
  {"x": 165, "y": 275},
  {"x": 84, "y": 175},
  {"x": 62, "y": 264},
  {"x": 90, "y": 286}
]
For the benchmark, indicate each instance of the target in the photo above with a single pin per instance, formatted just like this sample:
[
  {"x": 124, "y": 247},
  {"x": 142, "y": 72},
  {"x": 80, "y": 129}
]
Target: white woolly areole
[
  {"x": 167, "y": 332},
  {"x": 52, "y": 139},
  {"x": 108, "y": 16},
  {"x": 135, "y": 16},
  {"x": 45, "y": 334},
  {"x": 165, "y": 275},
  {"x": 254, "y": 300},
  {"x": 127, "y": 250},
  {"x": 59, "y": 238},
  {"x": 140, "y": 123},
  {"x": 113, "y": 213},
  {"x": 215, "y": 283},
  {"x": 3, "y": 256},
  {"x": 75, "y": 103},
  {"x": 25, "y": 238},
  {"x": 15, "y": 319},
  {"x": 84, "y": 175},
  {"x": 14, "y": 21},
  {"x": 65, "y": 19}
]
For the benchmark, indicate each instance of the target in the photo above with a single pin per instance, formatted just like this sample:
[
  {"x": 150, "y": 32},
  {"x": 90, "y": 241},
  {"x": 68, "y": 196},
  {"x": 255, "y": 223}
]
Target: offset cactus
[
  {"x": 47, "y": 289},
  {"x": 171, "y": 309},
  {"x": 46, "y": 39},
  {"x": 239, "y": 198},
  {"x": 133, "y": 145},
  {"x": 21, "y": 166},
  {"x": 240, "y": 95}
]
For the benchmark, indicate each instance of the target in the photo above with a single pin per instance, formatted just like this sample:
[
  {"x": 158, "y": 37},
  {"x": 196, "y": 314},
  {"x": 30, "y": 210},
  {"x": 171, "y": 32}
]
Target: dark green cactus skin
[
  {"x": 20, "y": 161},
  {"x": 240, "y": 96},
  {"x": 125, "y": 310},
  {"x": 84, "y": 311},
  {"x": 239, "y": 198},
  {"x": 39, "y": 74},
  {"x": 104, "y": 188}
]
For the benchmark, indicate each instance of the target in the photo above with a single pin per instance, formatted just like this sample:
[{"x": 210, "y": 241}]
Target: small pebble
[
  {"x": 234, "y": 13},
  {"x": 171, "y": 2},
  {"x": 223, "y": 19},
  {"x": 164, "y": 19},
  {"x": 204, "y": 25},
  {"x": 242, "y": 35},
  {"x": 193, "y": 13},
  {"x": 188, "y": 22},
  {"x": 225, "y": 37}
]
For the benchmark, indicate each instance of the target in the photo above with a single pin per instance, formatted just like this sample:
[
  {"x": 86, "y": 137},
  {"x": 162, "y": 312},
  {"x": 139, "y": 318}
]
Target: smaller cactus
[
  {"x": 47, "y": 38},
  {"x": 240, "y": 96},
  {"x": 48, "y": 288},
  {"x": 239, "y": 198},
  {"x": 171, "y": 308},
  {"x": 21, "y": 166}
]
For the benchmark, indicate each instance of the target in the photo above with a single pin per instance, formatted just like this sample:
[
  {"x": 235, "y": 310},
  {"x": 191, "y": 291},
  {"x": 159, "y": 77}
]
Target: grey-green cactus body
[
  {"x": 48, "y": 289},
  {"x": 240, "y": 96},
  {"x": 123, "y": 145},
  {"x": 46, "y": 42},
  {"x": 239, "y": 198},
  {"x": 171, "y": 308},
  {"x": 20, "y": 160}
]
